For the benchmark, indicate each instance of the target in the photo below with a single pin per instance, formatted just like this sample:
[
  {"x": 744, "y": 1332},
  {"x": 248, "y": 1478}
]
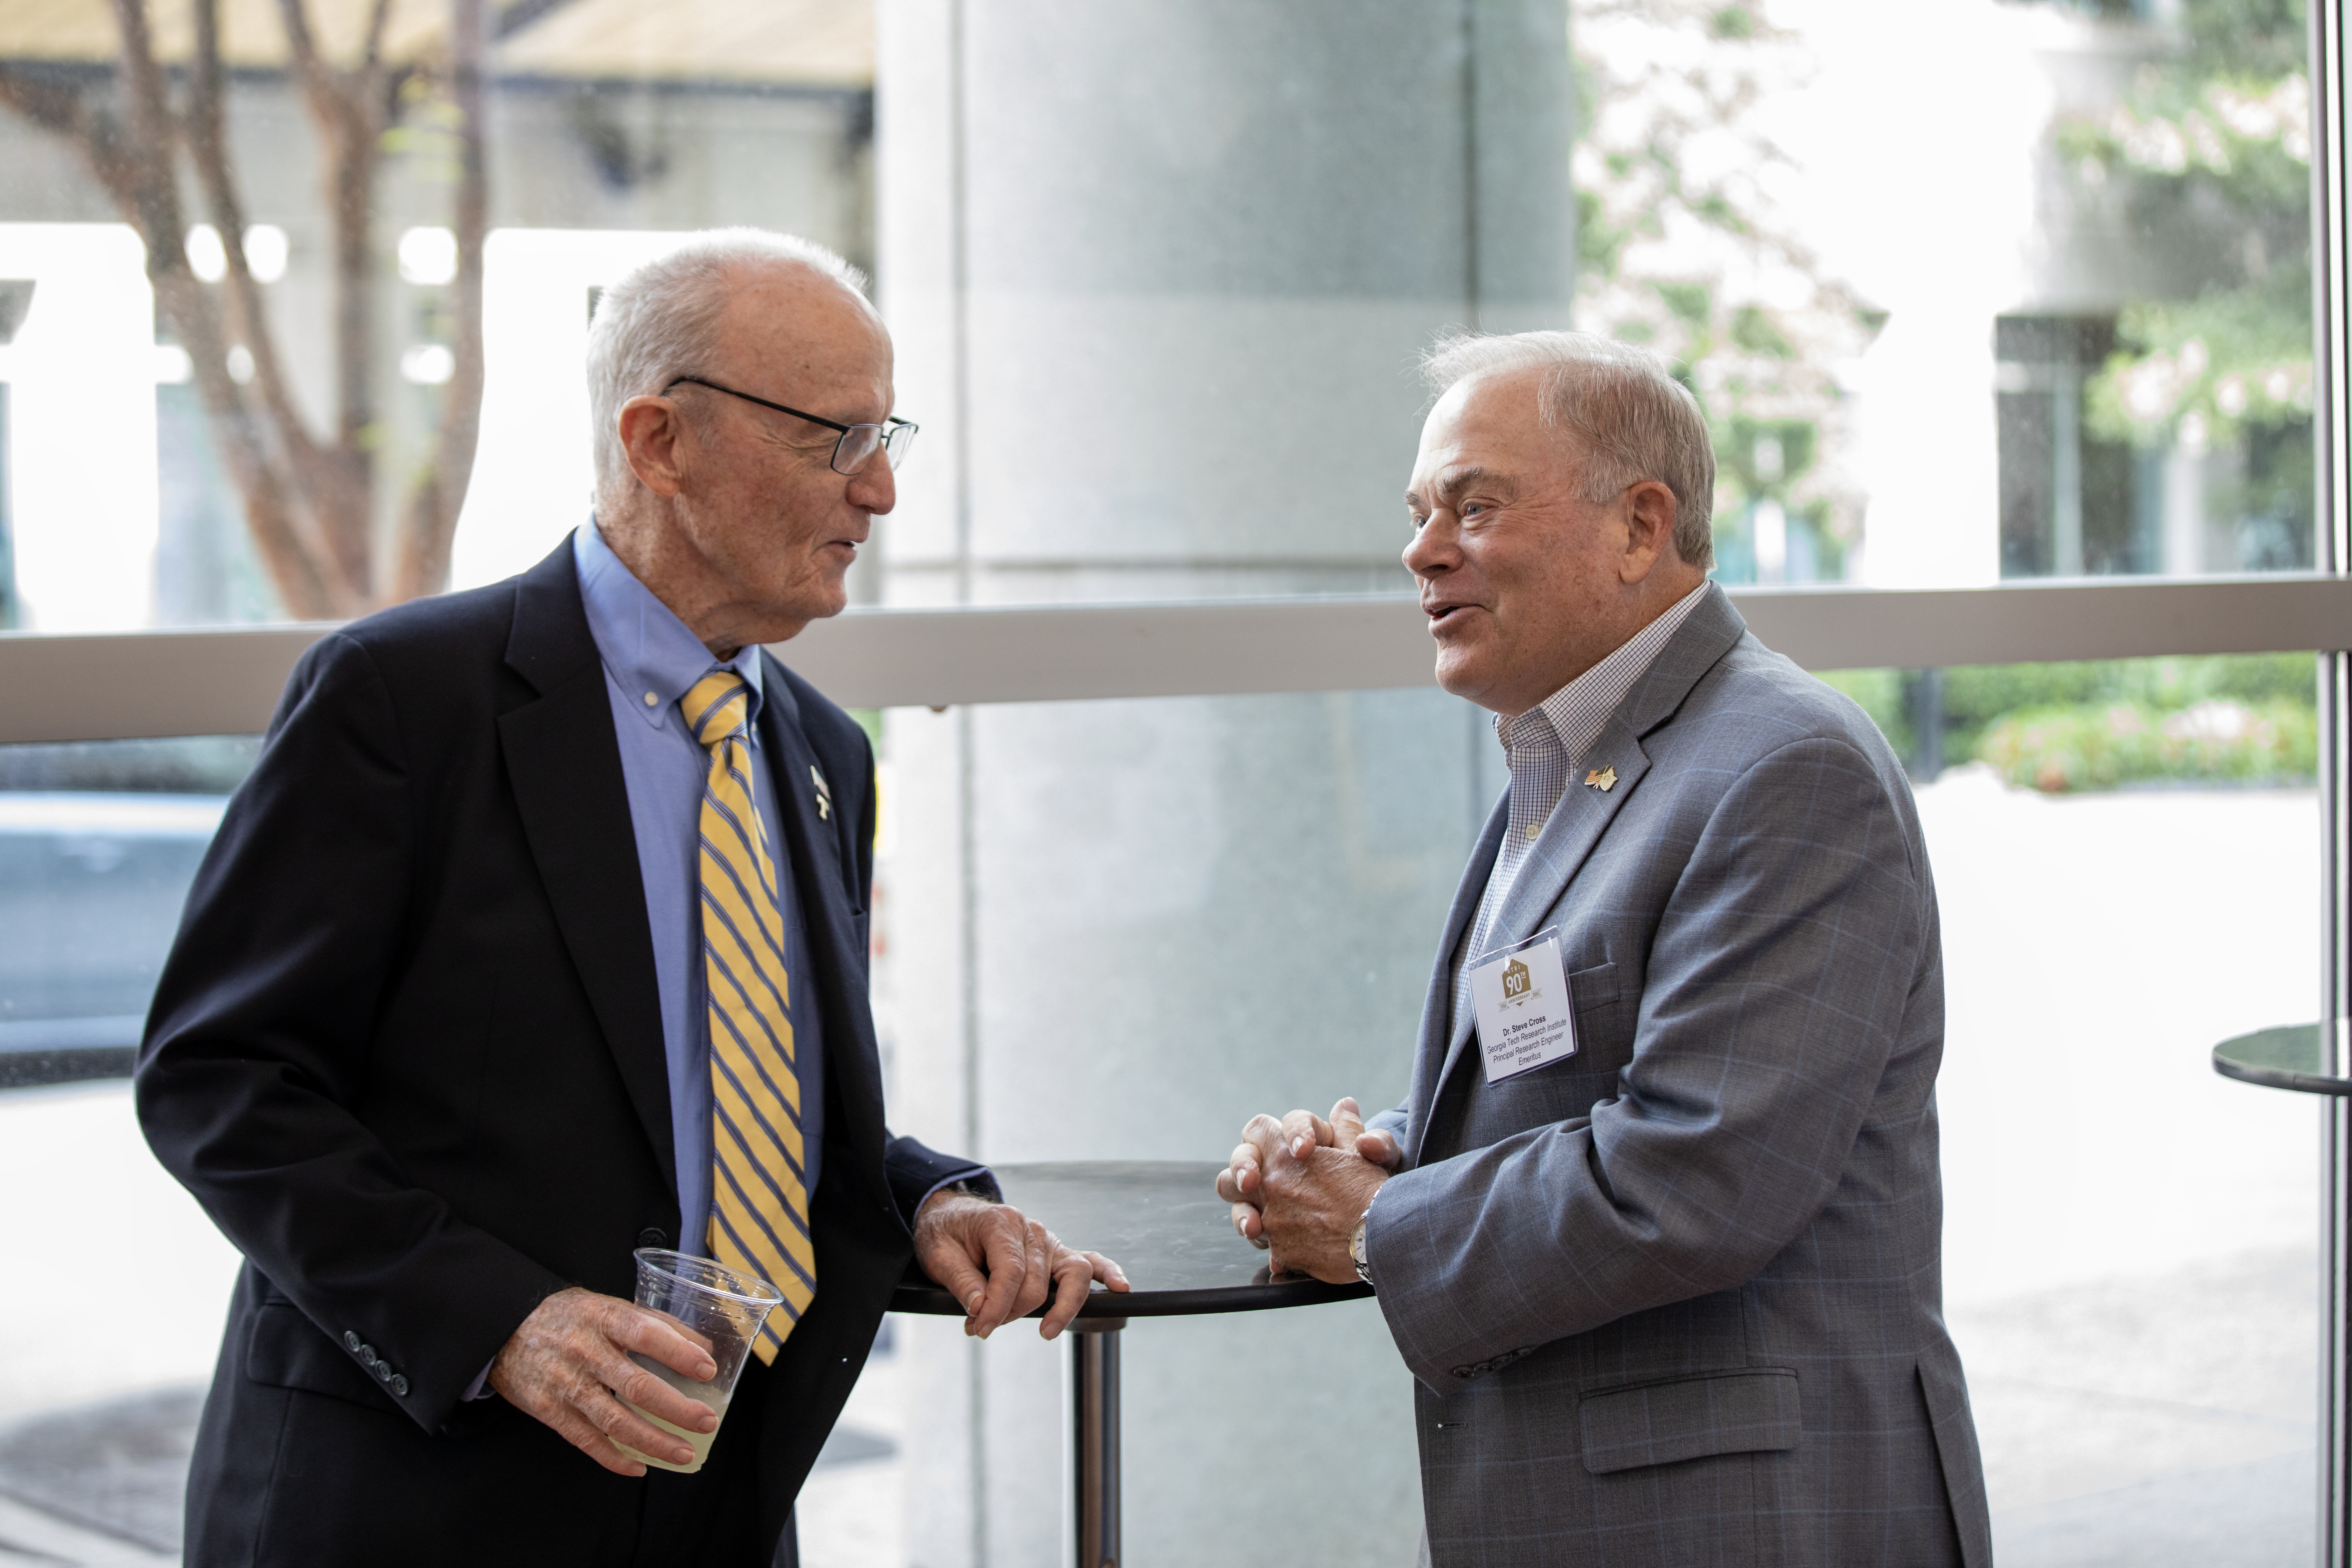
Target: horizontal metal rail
[{"x": 135, "y": 684}]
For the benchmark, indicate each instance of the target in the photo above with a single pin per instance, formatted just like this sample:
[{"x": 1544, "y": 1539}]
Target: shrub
[{"x": 2080, "y": 746}]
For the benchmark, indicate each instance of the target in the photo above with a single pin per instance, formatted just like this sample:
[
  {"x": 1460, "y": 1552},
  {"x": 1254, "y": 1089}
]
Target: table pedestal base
[{"x": 1094, "y": 1358}]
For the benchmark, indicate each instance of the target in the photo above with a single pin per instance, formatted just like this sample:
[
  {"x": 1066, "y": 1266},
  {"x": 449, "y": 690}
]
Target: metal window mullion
[{"x": 2332, "y": 253}]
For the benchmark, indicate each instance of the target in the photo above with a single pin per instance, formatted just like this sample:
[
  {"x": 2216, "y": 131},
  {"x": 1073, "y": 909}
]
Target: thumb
[
  {"x": 1347, "y": 1123},
  {"x": 1381, "y": 1148}
]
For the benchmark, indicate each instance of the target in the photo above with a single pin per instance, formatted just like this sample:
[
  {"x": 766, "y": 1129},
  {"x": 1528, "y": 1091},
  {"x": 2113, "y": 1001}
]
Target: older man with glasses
[{"x": 539, "y": 935}]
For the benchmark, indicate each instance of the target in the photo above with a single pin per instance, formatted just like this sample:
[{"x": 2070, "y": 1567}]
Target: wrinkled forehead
[{"x": 791, "y": 322}]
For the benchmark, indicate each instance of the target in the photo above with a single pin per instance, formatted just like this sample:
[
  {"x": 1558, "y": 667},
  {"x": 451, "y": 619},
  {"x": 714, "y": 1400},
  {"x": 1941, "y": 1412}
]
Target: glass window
[
  {"x": 2126, "y": 860},
  {"x": 1161, "y": 328},
  {"x": 98, "y": 1406}
]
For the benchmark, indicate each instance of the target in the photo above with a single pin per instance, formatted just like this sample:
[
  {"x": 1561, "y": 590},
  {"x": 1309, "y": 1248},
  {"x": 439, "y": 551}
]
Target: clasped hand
[
  {"x": 1298, "y": 1186},
  {"x": 570, "y": 1363}
]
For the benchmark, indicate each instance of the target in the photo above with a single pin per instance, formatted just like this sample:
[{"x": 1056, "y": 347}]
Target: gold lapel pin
[{"x": 1602, "y": 779}]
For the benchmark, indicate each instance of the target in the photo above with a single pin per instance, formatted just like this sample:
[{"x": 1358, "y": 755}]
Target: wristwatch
[{"x": 1355, "y": 1246}]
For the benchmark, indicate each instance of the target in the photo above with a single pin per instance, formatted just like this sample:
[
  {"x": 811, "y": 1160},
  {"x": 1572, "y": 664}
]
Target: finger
[
  {"x": 1244, "y": 1166},
  {"x": 1263, "y": 1135},
  {"x": 1247, "y": 1222},
  {"x": 664, "y": 1338},
  {"x": 1302, "y": 1131},
  {"x": 1108, "y": 1272},
  {"x": 650, "y": 1393},
  {"x": 1073, "y": 1276},
  {"x": 1037, "y": 1276},
  {"x": 618, "y": 1422},
  {"x": 1381, "y": 1150},
  {"x": 1347, "y": 1123},
  {"x": 1006, "y": 1251},
  {"x": 582, "y": 1434}
]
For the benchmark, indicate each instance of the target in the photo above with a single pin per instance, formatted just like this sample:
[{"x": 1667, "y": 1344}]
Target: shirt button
[
  {"x": 652, "y": 700},
  {"x": 350, "y": 1341},
  {"x": 1534, "y": 828}
]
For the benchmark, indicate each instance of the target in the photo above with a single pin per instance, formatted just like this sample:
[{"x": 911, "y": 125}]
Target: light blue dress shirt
[{"x": 651, "y": 661}]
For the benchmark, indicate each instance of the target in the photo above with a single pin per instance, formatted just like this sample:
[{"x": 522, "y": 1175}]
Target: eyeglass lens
[{"x": 856, "y": 445}]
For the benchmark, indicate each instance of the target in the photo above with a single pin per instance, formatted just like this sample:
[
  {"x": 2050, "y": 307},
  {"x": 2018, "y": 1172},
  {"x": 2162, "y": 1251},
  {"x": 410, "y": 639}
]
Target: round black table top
[
  {"x": 2280, "y": 1058},
  {"x": 1162, "y": 1223}
]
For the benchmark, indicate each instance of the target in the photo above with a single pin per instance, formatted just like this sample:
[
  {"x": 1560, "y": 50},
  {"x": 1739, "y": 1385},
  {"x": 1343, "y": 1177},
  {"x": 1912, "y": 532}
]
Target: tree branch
[
  {"x": 249, "y": 319},
  {"x": 150, "y": 179},
  {"x": 440, "y": 492},
  {"x": 349, "y": 114},
  {"x": 372, "y": 55}
]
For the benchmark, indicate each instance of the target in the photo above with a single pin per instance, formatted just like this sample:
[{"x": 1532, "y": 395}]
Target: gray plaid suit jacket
[{"x": 1677, "y": 1298}]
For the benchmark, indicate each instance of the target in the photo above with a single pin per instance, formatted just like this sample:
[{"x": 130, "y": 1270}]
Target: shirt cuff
[
  {"x": 977, "y": 1180},
  {"x": 481, "y": 1387}
]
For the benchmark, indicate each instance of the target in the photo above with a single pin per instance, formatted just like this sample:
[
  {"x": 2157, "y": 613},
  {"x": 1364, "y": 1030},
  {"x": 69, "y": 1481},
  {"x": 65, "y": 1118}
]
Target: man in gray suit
[{"x": 1669, "y": 1280}]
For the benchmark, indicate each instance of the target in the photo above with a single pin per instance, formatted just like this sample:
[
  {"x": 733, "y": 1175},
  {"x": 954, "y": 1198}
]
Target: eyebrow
[{"x": 1454, "y": 481}]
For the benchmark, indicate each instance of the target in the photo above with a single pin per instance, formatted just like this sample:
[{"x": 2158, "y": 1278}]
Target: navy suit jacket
[{"x": 407, "y": 1053}]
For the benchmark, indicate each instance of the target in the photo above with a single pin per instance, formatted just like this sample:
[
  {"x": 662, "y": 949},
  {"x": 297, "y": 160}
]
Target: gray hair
[
  {"x": 660, "y": 322},
  {"x": 1621, "y": 406}
]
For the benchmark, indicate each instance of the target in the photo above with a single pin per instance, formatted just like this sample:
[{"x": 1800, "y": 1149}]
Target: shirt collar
[
  {"x": 648, "y": 651},
  {"x": 1573, "y": 718}
]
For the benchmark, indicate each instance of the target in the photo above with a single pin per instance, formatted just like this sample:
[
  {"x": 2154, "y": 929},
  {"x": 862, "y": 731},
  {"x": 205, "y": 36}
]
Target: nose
[
  {"x": 1434, "y": 548},
  {"x": 874, "y": 487}
]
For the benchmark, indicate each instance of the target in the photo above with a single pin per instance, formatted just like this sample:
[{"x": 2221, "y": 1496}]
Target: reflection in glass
[{"x": 2042, "y": 310}]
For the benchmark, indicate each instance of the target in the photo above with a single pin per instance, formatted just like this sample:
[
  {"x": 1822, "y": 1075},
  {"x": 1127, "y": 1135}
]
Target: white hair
[
  {"x": 661, "y": 321},
  {"x": 1621, "y": 405}
]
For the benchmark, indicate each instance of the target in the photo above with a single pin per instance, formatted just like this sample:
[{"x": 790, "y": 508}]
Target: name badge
[{"x": 1526, "y": 1017}]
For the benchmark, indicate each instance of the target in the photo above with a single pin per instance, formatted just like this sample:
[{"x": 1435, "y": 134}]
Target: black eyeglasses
[{"x": 858, "y": 443}]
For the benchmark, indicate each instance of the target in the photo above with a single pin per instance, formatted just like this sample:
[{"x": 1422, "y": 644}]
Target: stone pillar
[{"x": 1159, "y": 274}]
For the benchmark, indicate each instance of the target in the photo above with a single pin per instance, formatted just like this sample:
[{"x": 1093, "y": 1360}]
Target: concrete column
[{"x": 1158, "y": 275}]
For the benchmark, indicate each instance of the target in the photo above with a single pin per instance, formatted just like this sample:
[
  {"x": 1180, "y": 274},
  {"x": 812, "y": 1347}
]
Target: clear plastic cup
[{"x": 719, "y": 1306}]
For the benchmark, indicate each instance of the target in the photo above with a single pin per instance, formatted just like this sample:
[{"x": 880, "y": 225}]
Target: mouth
[{"x": 1443, "y": 615}]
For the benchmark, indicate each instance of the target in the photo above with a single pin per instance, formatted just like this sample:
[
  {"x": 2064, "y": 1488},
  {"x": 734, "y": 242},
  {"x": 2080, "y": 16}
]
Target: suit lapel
[
  {"x": 1585, "y": 812},
  {"x": 1437, "y": 1008},
  {"x": 813, "y": 840},
  {"x": 1576, "y": 824},
  {"x": 565, "y": 764}
]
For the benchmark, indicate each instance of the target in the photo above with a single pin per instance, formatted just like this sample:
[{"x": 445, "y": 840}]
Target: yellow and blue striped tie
[{"x": 758, "y": 1210}]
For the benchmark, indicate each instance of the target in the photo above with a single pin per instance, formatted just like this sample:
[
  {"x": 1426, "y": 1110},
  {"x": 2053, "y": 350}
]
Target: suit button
[
  {"x": 653, "y": 1236},
  {"x": 383, "y": 1371},
  {"x": 400, "y": 1386},
  {"x": 367, "y": 1356},
  {"x": 350, "y": 1341}
]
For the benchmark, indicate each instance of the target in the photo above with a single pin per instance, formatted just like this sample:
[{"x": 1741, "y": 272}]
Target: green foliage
[
  {"x": 1696, "y": 257},
  {"x": 2211, "y": 148},
  {"x": 1733, "y": 22},
  {"x": 1755, "y": 330},
  {"x": 2057, "y": 750},
  {"x": 1977, "y": 698},
  {"x": 2247, "y": 37},
  {"x": 1692, "y": 303},
  {"x": 2099, "y": 723},
  {"x": 2206, "y": 369}
]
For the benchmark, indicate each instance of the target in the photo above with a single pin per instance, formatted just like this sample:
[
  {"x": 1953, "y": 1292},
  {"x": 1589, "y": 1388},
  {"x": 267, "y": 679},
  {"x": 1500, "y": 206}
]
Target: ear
[
  {"x": 1650, "y": 509},
  {"x": 652, "y": 429}
]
